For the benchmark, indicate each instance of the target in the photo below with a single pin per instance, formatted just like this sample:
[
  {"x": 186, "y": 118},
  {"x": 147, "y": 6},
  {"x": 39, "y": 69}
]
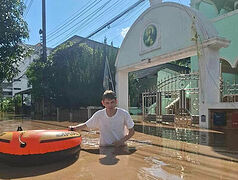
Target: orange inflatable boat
[{"x": 38, "y": 146}]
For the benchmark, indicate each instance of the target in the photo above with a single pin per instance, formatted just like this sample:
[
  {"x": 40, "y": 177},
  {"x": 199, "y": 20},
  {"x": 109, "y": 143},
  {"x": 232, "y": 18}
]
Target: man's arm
[
  {"x": 78, "y": 127},
  {"x": 124, "y": 139}
]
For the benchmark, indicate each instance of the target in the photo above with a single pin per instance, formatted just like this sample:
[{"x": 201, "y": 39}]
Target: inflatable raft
[{"x": 38, "y": 146}]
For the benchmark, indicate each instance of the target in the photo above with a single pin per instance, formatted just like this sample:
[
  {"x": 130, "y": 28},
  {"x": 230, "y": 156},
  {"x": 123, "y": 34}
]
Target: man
[{"x": 115, "y": 124}]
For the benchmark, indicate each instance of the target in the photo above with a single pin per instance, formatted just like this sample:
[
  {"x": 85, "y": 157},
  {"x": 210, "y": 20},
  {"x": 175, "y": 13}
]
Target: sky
[{"x": 66, "y": 18}]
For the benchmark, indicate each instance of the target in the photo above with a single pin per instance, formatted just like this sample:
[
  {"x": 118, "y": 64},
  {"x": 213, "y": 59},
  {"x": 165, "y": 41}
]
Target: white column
[
  {"x": 122, "y": 89},
  {"x": 209, "y": 88}
]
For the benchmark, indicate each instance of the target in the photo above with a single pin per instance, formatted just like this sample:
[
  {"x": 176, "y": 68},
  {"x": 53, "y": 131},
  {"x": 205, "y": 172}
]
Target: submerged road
[{"x": 145, "y": 157}]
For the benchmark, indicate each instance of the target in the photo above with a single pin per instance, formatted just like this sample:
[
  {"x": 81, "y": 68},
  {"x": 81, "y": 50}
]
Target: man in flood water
[{"x": 115, "y": 124}]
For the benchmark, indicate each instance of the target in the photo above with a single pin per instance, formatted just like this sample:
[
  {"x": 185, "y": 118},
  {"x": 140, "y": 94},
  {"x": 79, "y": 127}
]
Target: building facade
[
  {"x": 20, "y": 81},
  {"x": 167, "y": 32}
]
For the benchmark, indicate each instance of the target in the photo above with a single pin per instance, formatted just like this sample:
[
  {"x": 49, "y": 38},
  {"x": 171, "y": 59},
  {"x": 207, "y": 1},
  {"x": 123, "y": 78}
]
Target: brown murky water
[{"x": 169, "y": 154}]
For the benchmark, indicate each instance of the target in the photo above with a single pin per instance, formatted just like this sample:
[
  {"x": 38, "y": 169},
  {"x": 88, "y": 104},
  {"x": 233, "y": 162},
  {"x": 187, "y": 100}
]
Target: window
[{"x": 7, "y": 93}]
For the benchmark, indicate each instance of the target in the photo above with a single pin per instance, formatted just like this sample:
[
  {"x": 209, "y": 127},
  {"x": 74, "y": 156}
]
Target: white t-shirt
[{"x": 111, "y": 128}]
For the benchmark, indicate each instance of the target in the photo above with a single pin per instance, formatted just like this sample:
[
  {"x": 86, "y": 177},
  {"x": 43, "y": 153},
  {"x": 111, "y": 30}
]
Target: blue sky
[{"x": 82, "y": 17}]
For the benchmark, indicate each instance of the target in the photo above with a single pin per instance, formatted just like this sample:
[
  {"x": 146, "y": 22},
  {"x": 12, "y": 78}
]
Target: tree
[
  {"x": 7, "y": 105},
  {"x": 183, "y": 62},
  {"x": 135, "y": 89},
  {"x": 35, "y": 76},
  {"x": 13, "y": 29},
  {"x": 76, "y": 75},
  {"x": 72, "y": 76}
]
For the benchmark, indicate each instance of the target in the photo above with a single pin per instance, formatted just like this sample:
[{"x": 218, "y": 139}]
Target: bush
[{"x": 7, "y": 105}]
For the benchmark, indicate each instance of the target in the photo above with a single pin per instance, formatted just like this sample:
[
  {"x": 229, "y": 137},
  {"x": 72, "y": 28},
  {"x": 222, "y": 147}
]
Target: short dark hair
[{"x": 109, "y": 94}]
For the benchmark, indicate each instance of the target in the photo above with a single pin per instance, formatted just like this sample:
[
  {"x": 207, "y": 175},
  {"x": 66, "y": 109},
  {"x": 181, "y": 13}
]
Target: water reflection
[
  {"x": 12, "y": 116},
  {"x": 170, "y": 133},
  {"x": 108, "y": 153},
  {"x": 156, "y": 170},
  {"x": 216, "y": 139},
  {"x": 147, "y": 157}
]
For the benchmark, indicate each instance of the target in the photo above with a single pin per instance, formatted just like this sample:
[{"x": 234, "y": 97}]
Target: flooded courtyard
[{"x": 155, "y": 151}]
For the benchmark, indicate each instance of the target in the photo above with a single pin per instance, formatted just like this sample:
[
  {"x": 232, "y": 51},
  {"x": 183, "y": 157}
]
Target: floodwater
[{"x": 155, "y": 152}]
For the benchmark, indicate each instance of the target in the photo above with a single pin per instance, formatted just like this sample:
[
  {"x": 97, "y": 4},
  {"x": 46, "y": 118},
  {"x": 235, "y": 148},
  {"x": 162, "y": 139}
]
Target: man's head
[
  {"x": 109, "y": 99},
  {"x": 109, "y": 94}
]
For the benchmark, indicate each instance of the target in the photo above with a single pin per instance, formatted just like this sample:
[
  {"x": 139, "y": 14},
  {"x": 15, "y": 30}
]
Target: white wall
[
  {"x": 173, "y": 22},
  {"x": 174, "y": 41}
]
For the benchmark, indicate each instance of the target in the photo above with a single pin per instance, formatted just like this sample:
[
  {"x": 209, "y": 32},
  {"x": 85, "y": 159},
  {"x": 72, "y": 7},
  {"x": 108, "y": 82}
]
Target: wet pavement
[{"x": 155, "y": 152}]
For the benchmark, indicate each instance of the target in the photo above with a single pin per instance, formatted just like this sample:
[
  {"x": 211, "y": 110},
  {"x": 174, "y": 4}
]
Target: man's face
[{"x": 109, "y": 103}]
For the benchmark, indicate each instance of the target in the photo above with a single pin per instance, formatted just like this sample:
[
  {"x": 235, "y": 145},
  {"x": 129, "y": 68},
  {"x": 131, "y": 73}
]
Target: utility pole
[
  {"x": 105, "y": 76},
  {"x": 44, "y": 31},
  {"x": 44, "y": 56}
]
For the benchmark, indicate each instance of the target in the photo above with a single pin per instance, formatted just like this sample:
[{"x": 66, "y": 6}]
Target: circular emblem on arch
[{"x": 150, "y": 35}]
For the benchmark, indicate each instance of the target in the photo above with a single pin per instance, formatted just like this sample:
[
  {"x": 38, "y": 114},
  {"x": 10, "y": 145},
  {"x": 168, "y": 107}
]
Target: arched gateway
[{"x": 167, "y": 32}]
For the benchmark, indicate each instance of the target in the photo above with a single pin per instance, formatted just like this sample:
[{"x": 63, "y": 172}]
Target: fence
[
  {"x": 76, "y": 115},
  {"x": 229, "y": 91}
]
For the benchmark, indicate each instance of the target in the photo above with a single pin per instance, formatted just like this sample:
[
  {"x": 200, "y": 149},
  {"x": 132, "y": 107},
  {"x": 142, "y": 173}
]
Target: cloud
[{"x": 124, "y": 31}]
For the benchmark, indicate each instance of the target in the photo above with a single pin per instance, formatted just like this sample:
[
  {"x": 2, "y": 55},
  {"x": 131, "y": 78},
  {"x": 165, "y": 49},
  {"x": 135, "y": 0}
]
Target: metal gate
[{"x": 176, "y": 97}]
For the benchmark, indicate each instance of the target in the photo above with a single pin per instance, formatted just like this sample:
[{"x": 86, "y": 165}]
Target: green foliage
[
  {"x": 186, "y": 62},
  {"x": 10, "y": 104},
  {"x": 135, "y": 89},
  {"x": 13, "y": 29},
  {"x": 71, "y": 77},
  {"x": 75, "y": 76},
  {"x": 17, "y": 100},
  {"x": 1, "y": 92},
  {"x": 35, "y": 74},
  {"x": 7, "y": 105}
]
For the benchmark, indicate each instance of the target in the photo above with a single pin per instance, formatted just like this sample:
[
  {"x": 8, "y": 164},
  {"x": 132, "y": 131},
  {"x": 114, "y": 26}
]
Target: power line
[
  {"x": 123, "y": 20},
  {"x": 75, "y": 14},
  {"x": 98, "y": 16},
  {"x": 28, "y": 8},
  {"x": 82, "y": 21},
  {"x": 102, "y": 27},
  {"x": 115, "y": 18},
  {"x": 70, "y": 20},
  {"x": 129, "y": 16}
]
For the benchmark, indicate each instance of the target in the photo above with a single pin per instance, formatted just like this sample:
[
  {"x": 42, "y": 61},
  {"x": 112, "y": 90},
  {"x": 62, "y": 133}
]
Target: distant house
[
  {"x": 20, "y": 83},
  {"x": 91, "y": 43},
  {"x": 153, "y": 71},
  {"x": 151, "y": 78},
  {"x": 224, "y": 16}
]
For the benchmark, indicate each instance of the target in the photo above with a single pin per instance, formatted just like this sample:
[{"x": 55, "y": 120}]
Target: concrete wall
[
  {"x": 227, "y": 27},
  {"x": 174, "y": 26}
]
